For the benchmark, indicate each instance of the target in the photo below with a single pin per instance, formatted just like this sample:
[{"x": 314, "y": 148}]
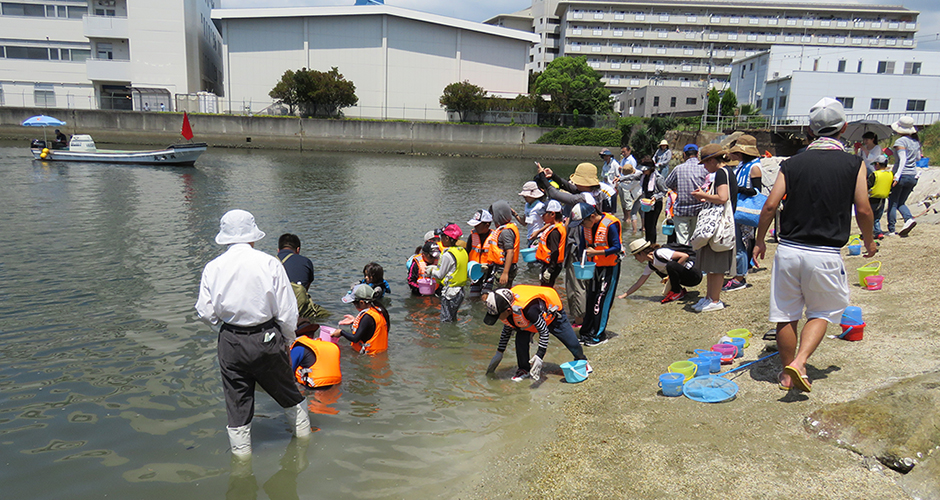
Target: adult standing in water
[
  {"x": 246, "y": 294},
  {"x": 300, "y": 272}
]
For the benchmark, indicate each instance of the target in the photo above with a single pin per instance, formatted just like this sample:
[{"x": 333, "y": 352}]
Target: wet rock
[
  {"x": 898, "y": 425},
  {"x": 924, "y": 480}
]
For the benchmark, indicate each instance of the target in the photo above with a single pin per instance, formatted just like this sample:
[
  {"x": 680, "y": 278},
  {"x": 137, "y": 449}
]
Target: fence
[{"x": 794, "y": 121}]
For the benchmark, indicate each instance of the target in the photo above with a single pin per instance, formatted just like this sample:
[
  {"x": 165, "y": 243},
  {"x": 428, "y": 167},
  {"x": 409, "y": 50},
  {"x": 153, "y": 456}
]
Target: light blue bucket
[
  {"x": 671, "y": 384},
  {"x": 703, "y": 366},
  {"x": 575, "y": 371},
  {"x": 474, "y": 270},
  {"x": 668, "y": 229},
  {"x": 584, "y": 271},
  {"x": 739, "y": 343},
  {"x": 527, "y": 254},
  {"x": 714, "y": 357},
  {"x": 855, "y": 249}
]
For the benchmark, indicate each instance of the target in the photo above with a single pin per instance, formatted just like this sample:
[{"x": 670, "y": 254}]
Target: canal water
[{"x": 109, "y": 385}]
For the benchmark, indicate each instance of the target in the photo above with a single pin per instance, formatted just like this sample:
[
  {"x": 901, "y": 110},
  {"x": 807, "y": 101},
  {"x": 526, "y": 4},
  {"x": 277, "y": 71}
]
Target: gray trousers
[
  {"x": 450, "y": 302},
  {"x": 575, "y": 289},
  {"x": 685, "y": 226}
]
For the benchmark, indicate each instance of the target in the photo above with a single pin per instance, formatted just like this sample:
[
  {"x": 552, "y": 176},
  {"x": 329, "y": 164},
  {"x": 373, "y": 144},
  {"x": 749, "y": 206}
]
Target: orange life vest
[
  {"x": 598, "y": 240},
  {"x": 379, "y": 341},
  {"x": 477, "y": 250},
  {"x": 494, "y": 254},
  {"x": 523, "y": 296},
  {"x": 543, "y": 253},
  {"x": 325, "y": 371}
]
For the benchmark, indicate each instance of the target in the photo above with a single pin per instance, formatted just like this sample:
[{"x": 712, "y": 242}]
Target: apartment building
[
  {"x": 107, "y": 54},
  {"x": 692, "y": 43},
  {"x": 881, "y": 84}
]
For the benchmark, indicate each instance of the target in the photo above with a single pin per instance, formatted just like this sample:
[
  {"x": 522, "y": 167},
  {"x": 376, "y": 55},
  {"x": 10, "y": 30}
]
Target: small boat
[{"x": 82, "y": 148}]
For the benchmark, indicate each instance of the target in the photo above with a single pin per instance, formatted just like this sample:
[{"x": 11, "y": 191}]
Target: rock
[
  {"x": 924, "y": 480},
  {"x": 898, "y": 425}
]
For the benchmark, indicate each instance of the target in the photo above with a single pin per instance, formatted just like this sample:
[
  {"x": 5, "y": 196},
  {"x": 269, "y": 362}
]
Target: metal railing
[{"x": 921, "y": 119}]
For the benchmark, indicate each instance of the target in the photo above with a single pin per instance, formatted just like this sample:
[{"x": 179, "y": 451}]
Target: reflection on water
[{"x": 102, "y": 359}]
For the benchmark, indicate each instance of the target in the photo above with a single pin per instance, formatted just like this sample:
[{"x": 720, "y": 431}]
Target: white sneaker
[
  {"x": 713, "y": 306},
  {"x": 700, "y": 304},
  {"x": 907, "y": 227}
]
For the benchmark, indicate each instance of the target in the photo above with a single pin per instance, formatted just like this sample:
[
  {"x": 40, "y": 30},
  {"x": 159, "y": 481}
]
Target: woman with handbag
[
  {"x": 652, "y": 188},
  {"x": 722, "y": 192},
  {"x": 748, "y": 177}
]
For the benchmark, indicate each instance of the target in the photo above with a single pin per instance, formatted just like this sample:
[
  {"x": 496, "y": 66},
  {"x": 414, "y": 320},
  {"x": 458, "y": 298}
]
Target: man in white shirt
[{"x": 246, "y": 295}]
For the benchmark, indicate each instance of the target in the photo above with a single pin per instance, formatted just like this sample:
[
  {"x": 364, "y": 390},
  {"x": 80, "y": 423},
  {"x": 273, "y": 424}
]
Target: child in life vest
[
  {"x": 418, "y": 264},
  {"x": 370, "y": 327},
  {"x": 451, "y": 272},
  {"x": 879, "y": 187},
  {"x": 373, "y": 275},
  {"x": 315, "y": 362}
]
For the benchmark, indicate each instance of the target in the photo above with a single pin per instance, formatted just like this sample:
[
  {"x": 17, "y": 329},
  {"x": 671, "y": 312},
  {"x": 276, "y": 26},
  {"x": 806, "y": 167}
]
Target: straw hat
[
  {"x": 904, "y": 126},
  {"x": 712, "y": 151},
  {"x": 746, "y": 144},
  {"x": 664, "y": 142},
  {"x": 638, "y": 245},
  {"x": 585, "y": 175},
  {"x": 238, "y": 226}
]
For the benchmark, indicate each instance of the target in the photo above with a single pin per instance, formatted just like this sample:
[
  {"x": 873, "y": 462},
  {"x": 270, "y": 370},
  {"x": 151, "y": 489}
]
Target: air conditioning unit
[{"x": 107, "y": 3}]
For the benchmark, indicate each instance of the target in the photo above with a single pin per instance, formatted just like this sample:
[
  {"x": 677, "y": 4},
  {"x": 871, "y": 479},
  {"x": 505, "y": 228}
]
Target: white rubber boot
[
  {"x": 240, "y": 439},
  {"x": 297, "y": 417}
]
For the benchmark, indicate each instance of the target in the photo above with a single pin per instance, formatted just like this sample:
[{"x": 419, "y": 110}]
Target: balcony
[
  {"x": 108, "y": 70},
  {"x": 105, "y": 27}
]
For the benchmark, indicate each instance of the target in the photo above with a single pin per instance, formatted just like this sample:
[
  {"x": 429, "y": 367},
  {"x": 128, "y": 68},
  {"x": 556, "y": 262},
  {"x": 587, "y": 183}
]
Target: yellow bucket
[
  {"x": 870, "y": 269},
  {"x": 686, "y": 368},
  {"x": 742, "y": 333}
]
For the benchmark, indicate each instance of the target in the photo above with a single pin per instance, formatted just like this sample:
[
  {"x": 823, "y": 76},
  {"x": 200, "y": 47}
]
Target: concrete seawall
[{"x": 266, "y": 132}]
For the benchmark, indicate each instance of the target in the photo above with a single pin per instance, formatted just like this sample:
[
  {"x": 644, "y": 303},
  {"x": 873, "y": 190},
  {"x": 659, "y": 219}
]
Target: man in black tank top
[{"x": 820, "y": 185}]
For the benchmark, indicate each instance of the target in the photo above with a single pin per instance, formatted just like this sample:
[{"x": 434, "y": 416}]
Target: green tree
[
  {"x": 315, "y": 93},
  {"x": 573, "y": 85},
  {"x": 728, "y": 100},
  {"x": 463, "y": 98}
]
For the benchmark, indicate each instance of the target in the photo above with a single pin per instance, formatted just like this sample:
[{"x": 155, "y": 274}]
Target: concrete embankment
[{"x": 267, "y": 132}]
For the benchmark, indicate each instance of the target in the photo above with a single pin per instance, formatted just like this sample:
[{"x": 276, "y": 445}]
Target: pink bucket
[
  {"x": 874, "y": 282},
  {"x": 426, "y": 286},
  {"x": 728, "y": 352},
  {"x": 325, "y": 336}
]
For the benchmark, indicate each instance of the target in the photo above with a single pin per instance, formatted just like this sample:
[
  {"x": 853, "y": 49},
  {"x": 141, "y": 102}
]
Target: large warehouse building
[{"x": 400, "y": 60}]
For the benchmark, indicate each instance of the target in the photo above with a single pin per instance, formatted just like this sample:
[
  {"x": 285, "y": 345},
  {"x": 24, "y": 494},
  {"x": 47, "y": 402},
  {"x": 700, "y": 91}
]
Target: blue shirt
[{"x": 299, "y": 268}]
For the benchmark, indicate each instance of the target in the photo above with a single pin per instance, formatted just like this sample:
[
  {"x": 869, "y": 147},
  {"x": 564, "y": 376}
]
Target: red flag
[{"x": 187, "y": 131}]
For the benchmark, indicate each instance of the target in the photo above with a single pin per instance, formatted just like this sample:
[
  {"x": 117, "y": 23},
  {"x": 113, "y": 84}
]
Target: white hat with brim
[
  {"x": 238, "y": 226},
  {"x": 531, "y": 189},
  {"x": 904, "y": 126}
]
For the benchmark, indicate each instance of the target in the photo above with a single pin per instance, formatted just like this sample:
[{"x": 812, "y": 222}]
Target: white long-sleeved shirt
[{"x": 246, "y": 287}]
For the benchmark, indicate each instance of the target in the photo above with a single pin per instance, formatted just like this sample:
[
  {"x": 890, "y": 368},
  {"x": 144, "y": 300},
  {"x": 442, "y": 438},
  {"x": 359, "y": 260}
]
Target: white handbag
[{"x": 715, "y": 227}]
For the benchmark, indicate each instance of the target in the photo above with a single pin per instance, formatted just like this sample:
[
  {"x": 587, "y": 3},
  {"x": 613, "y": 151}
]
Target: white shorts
[{"x": 810, "y": 277}]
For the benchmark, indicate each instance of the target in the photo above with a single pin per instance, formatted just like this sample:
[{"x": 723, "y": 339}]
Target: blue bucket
[
  {"x": 575, "y": 371},
  {"x": 584, "y": 271},
  {"x": 739, "y": 343},
  {"x": 713, "y": 356},
  {"x": 527, "y": 254},
  {"x": 474, "y": 270},
  {"x": 852, "y": 316},
  {"x": 703, "y": 366},
  {"x": 668, "y": 229},
  {"x": 855, "y": 249},
  {"x": 671, "y": 384}
]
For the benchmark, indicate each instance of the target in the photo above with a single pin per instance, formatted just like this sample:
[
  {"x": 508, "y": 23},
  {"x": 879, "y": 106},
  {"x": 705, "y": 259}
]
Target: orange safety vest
[
  {"x": 379, "y": 341},
  {"x": 494, "y": 254},
  {"x": 599, "y": 240},
  {"x": 542, "y": 252},
  {"x": 523, "y": 296},
  {"x": 477, "y": 250},
  {"x": 325, "y": 371}
]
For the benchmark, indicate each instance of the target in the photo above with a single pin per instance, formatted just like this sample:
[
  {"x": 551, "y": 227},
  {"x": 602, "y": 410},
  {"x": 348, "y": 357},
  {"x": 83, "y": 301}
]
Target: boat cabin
[{"x": 82, "y": 143}]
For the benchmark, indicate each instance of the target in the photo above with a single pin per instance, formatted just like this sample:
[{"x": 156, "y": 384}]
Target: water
[{"x": 109, "y": 386}]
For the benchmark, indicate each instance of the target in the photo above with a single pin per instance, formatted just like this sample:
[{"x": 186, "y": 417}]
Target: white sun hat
[{"x": 238, "y": 226}]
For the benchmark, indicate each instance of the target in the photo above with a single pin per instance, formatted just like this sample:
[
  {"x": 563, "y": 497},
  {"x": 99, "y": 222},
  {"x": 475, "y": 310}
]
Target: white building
[
  {"x": 107, "y": 54},
  {"x": 399, "y": 60},
  {"x": 635, "y": 43},
  {"x": 882, "y": 84}
]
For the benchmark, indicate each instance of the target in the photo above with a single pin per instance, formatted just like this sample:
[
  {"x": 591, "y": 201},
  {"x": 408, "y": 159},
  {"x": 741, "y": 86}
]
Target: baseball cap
[
  {"x": 553, "y": 206},
  {"x": 453, "y": 231},
  {"x": 582, "y": 210},
  {"x": 881, "y": 159},
  {"x": 496, "y": 303},
  {"x": 431, "y": 249},
  {"x": 361, "y": 291},
  {"x": 480, "y": 216},
  {"x": 690, "y": 148},
  {"x": 826, "y": 117}
]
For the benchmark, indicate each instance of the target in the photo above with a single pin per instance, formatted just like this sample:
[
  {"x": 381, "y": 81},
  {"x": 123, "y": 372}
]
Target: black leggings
[
  {"x": 680, "y": 276},
  {"x": 650, "y": 219}
]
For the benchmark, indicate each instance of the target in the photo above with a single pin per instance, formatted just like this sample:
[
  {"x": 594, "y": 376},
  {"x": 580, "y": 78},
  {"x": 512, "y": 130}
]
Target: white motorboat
[{"x": 82, "y": 148}]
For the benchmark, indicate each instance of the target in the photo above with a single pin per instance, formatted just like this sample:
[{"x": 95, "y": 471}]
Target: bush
[
  {"x": 930, "y": 142},
  {"x": 601, "y": 137}
]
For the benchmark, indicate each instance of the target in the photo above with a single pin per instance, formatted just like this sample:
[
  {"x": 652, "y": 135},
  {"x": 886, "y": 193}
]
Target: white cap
[
  {"x": 480, "y": 216},
  {"x": 826, "y": 117},
  {"x": 553, "y": 206}
]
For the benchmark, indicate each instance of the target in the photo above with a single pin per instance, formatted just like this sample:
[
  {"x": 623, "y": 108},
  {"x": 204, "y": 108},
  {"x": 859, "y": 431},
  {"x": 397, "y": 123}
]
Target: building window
[
  {"x": 886, "y": 67},
  {"x": 691, "y": 101},
  {"x": 859, "y": 70},
  {"x": 656, "y": 100},
  {"x": 44, "y": 96},
  {"x": 770, "y": 103},
  {"x": 672, "y": 102},
  {"x": 77, "y": 12},
  {"x": 916, "y": 104},
  {"x": 847, "y": 102},
  {"x": 758, "y": 104},
  {"x": 23, "y": 9},
  {"x": 880, "y": 104},
  {"x": 781, "y": 102},
  {"x": 912, "y": 68},
  {"x": 841, "y": 68}
]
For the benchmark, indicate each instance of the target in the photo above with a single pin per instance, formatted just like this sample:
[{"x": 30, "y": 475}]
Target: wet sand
[{"x": 616, "y": 436}]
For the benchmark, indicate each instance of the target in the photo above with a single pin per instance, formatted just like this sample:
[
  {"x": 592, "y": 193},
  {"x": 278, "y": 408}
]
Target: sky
[{"x": 928, "y": 36}]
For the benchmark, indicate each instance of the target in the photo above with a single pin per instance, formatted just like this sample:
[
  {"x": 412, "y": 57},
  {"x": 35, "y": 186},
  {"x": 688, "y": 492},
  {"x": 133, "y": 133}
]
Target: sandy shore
[{"x": 615, "y": 436}]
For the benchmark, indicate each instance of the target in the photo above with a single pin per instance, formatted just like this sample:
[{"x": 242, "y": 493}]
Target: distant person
[
  {"x": 526, "y": 310},
  {"x": 369, "y": 333},
  {"x": 627, "y": 190},
  {"x": 907, "y": 151},
  {"x": 373, "y": 275},
  {"x": 146, "y": 106},
  {"x": 684, "y": 179},
  {"x": 425, "y": 256},
  {"x": 315, "y": 362},
  {"x": 534, "y": 209},
  {"x": 247, "y": 295},
  {"x": 869, "y": 149},
  {"x": 821, "y": 185},
  {"x": 476, "y": 250},
  {"x": 662, "y": 157},
  {"x": 162, "y": 107},
  {"x": 60, "y": 138},
  {"x": 652, "y": 188},
  {"x": 610, "y": 173},
  {"x": 879, "y": 187},
  {"x": 300, "y": 272},
  {"x": 451, "y": 273}
]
